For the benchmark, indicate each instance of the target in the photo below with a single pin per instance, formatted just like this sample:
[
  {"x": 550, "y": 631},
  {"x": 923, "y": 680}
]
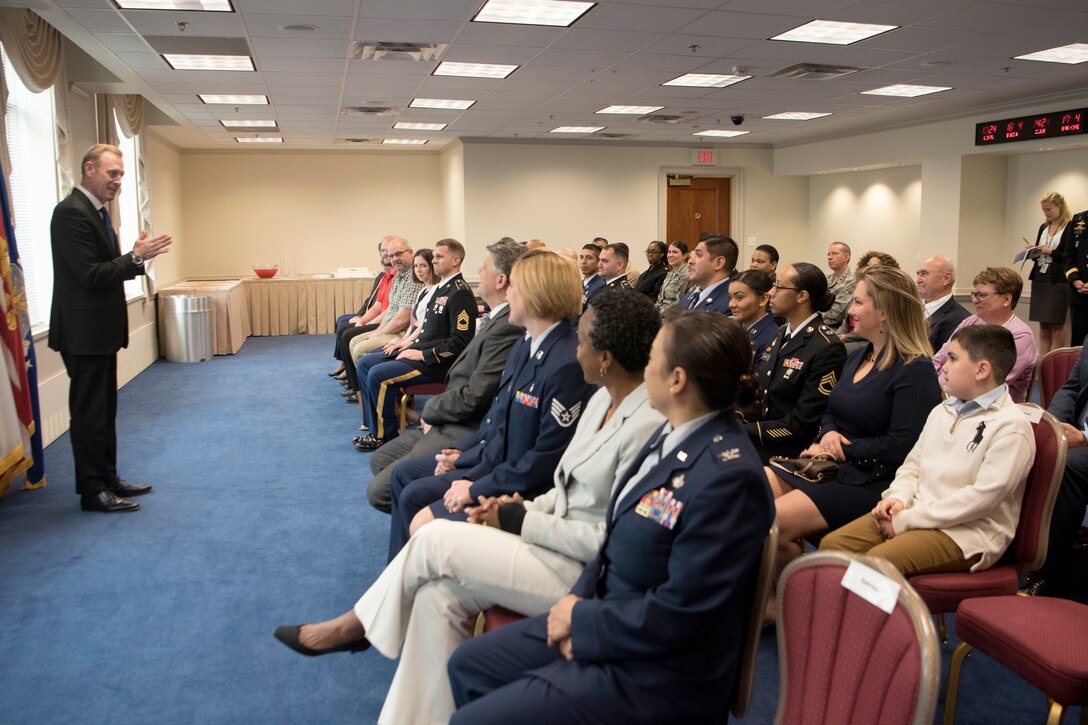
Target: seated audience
[
  {"x": 541, "y": 394},
  {"x": 997, "y": 290},
  {"x": 470, "y": 383},
  {"x": 1058, "y": 577},
  {"x": 612, "y": 267},
  {"x": 587, "y": 265},
  {"x": 765, "y": 259},
  {"x": 799, "y": 369},
  {"x": 653, "y": 629},
  {"x": 749, "y": 295},
  {"x": 649, "y": 282},
  {"x": 445, "y": 330},
  {"x": 402, "y": 300},
  {"x": 348, "y": 326},
  {"x": 527, "y": 554},
  {"x": 710, "y": 266},
  {"x": 676, "y": 282},
  {"x": 874, "y": 415},
  {"x": 955, "y": 502},
  {"x": 840, "y": 283},
  {"x": 935, "y": 278}
]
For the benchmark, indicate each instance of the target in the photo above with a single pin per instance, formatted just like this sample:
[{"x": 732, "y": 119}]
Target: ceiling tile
[
  {"x": 162, "y": 22},
  {"x": 296, "y": 48},
  {"x": 595, "y": 59},
  {"x": 416, "y": 31},
  {"x": 756, "y": 26},
  {"x": 328, "y": 27},
  {"x": 341, "y": 8},
  {"x": 639, "y": 17},
  {"x": 462, "y": 10}
]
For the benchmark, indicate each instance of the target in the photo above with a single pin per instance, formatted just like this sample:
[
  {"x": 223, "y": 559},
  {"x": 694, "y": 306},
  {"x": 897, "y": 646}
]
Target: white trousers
[{"x": 426, "y": 602}]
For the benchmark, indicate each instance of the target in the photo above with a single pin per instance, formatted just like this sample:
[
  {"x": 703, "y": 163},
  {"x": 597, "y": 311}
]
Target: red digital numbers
[
  {"x": 1025, "y": 128},
  {"x": 1071, "y": 123}
]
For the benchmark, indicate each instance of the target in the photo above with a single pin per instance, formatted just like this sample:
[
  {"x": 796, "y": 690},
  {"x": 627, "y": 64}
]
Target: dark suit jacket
[
  {"x": 1068, "y": 403},
  {"x": 718, "y": 301},
  {"x": 649, "y": 282},
  {"x": 89, "y": 315},
  {"x": 532, "y": 419},
  {"x": 944, "y": 321},
  {"x": 664, "y": 608},
  {"x": 1074, "y": 247},
  {"x": 472, "y": 381}
]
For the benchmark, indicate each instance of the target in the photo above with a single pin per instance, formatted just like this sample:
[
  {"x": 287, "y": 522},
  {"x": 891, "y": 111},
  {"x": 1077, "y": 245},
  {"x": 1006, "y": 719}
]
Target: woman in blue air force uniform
[{"x": 652, "y": 630}]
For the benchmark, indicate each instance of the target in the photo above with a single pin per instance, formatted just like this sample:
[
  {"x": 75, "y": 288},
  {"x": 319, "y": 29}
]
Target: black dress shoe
[
  {"x": 288, "y": 634},
  {"x": 108, "y": 502},
  {"x": 336, "y": 373},
  {"x": 124, "y": 489},
  {"x": 368, "y": 443},
  {"x": 353, "y": 398}
]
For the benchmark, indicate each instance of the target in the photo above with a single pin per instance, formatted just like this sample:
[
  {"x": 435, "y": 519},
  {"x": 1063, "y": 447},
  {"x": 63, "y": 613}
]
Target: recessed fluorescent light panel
[
  {"x": 904, "y": 90},
  {"x": 474, "y": 70},
  {"x": 405, "y": 126},
  {"x": 557, "y": 13},
  {"x": 405, "y": 141},
  {"x": 249, "y": 124},
  {"x": 1070, "y": 54},
  {"x": 440, "y": 103},
  {"x": 720, "y": 134},
  {"x": 208, "y": 6},
  {"x": 705, "y": 80},
  {"x": 259, "y": 139},
  {"x": 209, "y": 62},
  {"x": 577, "y": 129},
  {"x": 833, "y": 33},
  {"x": 236, "y": 100},
  {"x": 795, "y": 116},
  {"x": 632, "y": 110}
]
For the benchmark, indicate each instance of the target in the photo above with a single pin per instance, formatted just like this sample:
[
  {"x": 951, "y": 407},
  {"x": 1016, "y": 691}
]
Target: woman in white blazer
[{"x": 522, "y": 555}]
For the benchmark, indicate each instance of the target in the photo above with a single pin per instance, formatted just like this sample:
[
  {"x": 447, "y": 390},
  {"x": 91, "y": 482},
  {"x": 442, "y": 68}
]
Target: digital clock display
[{"x": 1029, "y": 128}]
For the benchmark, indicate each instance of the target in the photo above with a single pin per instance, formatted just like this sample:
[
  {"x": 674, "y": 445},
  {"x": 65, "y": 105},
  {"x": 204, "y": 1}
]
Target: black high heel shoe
[{"x": 289, "y": 634}]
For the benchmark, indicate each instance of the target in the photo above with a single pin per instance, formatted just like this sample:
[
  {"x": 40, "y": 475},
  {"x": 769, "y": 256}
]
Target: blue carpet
[{"x": 258, "y": 518}]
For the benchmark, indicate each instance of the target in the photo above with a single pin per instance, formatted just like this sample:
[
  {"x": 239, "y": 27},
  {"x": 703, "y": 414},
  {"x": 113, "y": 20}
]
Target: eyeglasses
[
  {"x": 777, "y": 287},
  {"x": 977, "y": 295}
]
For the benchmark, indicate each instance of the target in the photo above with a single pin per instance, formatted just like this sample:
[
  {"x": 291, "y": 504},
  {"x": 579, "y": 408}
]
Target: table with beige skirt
[
  {"x": 230, "y": 319},
  {"x": 306, "y": 305}
]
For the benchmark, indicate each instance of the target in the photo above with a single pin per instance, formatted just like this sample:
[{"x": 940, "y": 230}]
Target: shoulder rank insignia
[
  {"x": 463, "y": 321},
  {"x": 563, "y": 415},
  {"x": 827, "y": 383},
  {"x": 731, "y": 455}
]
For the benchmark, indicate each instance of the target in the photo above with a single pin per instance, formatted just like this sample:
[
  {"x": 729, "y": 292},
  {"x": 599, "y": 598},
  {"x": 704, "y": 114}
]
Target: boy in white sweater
[{"x": 955, "y": 501}]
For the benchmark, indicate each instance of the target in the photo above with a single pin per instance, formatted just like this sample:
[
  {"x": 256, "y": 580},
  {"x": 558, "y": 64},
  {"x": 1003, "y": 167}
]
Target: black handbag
[{"x": 818, "y": 469}]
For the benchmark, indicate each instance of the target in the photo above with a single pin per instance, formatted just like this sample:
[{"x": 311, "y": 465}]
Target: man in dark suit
[
  {"x": 587, "y": 264},
  {"x": 710, "y": 266},
  {"x": 1075, "y": 260},
  {"x": 1070, "y": 407},
  {"x": 935, "y": 277},
  {"x": 470, "y": 384},
  {"x": 88, "y": 322},
  {"x": 446, "y": 329}
]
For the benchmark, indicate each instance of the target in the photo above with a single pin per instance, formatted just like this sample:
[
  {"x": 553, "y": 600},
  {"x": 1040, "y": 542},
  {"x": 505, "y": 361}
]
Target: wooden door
[{"x": 701, "y": 207}]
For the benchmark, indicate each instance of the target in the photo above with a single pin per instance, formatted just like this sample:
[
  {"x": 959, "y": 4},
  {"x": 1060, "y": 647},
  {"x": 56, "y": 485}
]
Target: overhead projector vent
[
  {"x": 815, "y": 72},
  {"x": 615, "y": 136},
  {"x": 355, "y": 140},
  {"x": 369, "y": 50},
  {"x": 372, "y": 111},
  {"x": 667, "y": 117}
]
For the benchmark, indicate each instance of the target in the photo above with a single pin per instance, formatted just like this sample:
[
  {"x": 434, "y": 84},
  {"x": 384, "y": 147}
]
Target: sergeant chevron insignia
[
  {"x": 462, "y": 321},
  {"x": 827, "y": 383},
  {"x": 563, "y": 415}
]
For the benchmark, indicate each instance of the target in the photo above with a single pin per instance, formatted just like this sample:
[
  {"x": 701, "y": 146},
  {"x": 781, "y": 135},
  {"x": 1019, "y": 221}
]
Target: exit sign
[{"x": 704, "y": 157}]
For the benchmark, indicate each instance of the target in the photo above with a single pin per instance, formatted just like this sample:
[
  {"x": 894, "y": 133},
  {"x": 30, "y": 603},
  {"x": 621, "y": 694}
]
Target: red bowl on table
[{"x": 266, "y": 271}]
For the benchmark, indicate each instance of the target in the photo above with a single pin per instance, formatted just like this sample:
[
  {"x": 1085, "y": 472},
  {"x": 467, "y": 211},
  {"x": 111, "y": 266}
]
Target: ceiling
[{"x": 620, "y": 52}]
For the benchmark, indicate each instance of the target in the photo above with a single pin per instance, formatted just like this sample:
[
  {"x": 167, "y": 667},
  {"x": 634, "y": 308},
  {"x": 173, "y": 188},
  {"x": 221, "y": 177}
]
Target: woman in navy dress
[
  {"x": 749, "y": 297},
  {"x": 653, "y": 628},
  {"x": 874, "y": 415}
]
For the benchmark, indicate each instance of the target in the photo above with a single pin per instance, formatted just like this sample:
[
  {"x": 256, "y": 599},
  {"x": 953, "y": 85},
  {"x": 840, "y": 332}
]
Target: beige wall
[
  {"x": 869, "y": 210},
  {"x": 167, "y": 217},
  {"x": 1032, "y": 175},
  {"x": 452, "y": 167},
  {"x": 568, "y": 194},
  {"x": 321, "y": 210}
]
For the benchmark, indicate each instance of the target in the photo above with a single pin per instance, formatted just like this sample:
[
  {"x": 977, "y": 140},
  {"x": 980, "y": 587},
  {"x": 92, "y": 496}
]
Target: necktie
[
  {"x": 694, "y": 298},
  {"x": 109, "y": 228}
]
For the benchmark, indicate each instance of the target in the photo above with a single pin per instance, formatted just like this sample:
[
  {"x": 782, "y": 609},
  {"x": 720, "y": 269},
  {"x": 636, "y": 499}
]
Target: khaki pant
[
  {"x": 360, "y": 345},
  {"x": 922, "y": 551}
]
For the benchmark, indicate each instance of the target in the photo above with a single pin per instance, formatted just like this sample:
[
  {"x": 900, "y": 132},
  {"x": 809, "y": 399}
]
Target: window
[
  {"x": 128, "y": 202},
  {"x": 32, "y": 147}
]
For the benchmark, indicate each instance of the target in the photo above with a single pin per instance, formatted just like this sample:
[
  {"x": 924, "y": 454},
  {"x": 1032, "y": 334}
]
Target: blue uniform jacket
[
  {"x": 595, "y": 285},
  {"x": 762, "y": 333},
  {"x": 664, "y": 610},
  {"x": 717, "y": 301},
  {"x": 528, "y": 426}
]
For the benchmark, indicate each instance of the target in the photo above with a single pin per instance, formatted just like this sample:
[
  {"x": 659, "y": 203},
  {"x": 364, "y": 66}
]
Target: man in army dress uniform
[
  {"x": 448, "y": 327},
  {"x": 1075, "y": 243}
]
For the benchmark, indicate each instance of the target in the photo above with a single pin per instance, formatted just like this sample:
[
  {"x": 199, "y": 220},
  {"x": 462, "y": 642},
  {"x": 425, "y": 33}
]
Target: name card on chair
[{"x": 871, "y": 585}]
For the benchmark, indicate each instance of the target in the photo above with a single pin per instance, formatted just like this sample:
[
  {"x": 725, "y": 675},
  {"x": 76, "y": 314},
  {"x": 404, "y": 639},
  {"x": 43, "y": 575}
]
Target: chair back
[
  {"x": 1028, "y": 547},
  {"x": 1053, "y": 370},
  {"x": 843, "y": 659},
  {"x": 746, "y": 672}
]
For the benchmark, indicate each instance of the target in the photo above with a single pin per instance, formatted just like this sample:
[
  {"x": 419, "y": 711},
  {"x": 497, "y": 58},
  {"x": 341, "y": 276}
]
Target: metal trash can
[{"x": 187, "y": 328}]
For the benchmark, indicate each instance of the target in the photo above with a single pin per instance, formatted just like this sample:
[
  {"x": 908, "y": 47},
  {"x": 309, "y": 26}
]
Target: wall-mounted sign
[
  {"x": 1030, "y": 128},
  {"x": 704, "y": 157}
]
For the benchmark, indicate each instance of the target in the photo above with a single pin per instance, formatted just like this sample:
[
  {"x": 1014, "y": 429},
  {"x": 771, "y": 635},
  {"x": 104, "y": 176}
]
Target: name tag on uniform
[
  {"x": 661, "y": 507},
  {"x": 531, "y": 401}
]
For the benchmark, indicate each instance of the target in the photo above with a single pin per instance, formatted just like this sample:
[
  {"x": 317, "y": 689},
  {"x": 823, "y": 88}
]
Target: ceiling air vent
[
  {"x": 815, "y": 72},
  {"x": 667, "y": 117},
  {"x": 368, "y": 50},
  {"x": 615, "y": 136},
  {"x": 354, "y": 140},
  {"x": 372, "y": 111}
]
